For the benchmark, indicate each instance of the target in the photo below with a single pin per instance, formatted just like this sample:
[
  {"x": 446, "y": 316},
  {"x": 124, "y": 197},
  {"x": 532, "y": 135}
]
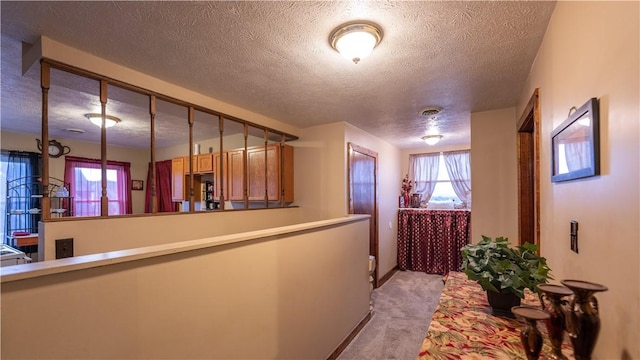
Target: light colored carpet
[{"x": 403, "y": 307}]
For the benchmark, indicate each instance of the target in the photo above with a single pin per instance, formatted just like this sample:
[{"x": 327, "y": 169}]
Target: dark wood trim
[
  {"x": 343, "y": 345},
  {"x": 528, "y": 152},
  {"x": 45, "y": 77},
  {"x": 388, "y": 275}
]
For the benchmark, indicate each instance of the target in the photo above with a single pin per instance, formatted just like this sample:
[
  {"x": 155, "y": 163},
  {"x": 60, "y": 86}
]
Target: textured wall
[{"x": 577, "y": 62}]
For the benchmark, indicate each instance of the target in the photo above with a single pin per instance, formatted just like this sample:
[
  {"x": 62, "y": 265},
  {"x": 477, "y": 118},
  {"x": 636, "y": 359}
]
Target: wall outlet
[{"x": 64, "y": 248}]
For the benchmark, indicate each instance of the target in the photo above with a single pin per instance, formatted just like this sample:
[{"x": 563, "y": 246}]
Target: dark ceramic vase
[
  {"x": 501, "y": 303},
  {"x": 530, "y": 335},
  {"x": 556, "y": 322},
  {"x": 583, "y": 323}
]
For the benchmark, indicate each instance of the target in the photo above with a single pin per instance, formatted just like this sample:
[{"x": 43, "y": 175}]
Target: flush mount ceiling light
[
  {"x": 431, "y": 139},
  {"x": 355, "y": 40},
  {"x": 96, "y": 119}
]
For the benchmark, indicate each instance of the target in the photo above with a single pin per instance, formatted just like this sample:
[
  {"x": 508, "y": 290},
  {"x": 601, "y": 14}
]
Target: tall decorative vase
[
  {"x": 556, "y": 322},
  {"x": 530, "y": 335},
  {"x": 583, "y": 323},
  {"x": 407, "y": 200}
]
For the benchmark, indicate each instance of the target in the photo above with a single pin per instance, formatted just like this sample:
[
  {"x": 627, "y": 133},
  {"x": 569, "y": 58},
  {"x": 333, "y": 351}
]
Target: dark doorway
[
  {"x": 528, "y": 147},
  {"x": 362, "y": 172}
]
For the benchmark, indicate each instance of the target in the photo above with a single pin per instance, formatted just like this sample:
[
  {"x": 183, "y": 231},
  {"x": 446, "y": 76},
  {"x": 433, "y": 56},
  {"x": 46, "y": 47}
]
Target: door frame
[
  {"x": 373, "y": 238},
  {"x": 528, "y": 150}
]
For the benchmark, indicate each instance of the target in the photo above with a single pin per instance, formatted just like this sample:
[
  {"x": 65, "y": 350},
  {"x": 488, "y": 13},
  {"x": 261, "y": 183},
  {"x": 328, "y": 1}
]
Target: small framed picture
[
  {"x": 137, "y": 185},
  {"x": 401, "y": 203}
]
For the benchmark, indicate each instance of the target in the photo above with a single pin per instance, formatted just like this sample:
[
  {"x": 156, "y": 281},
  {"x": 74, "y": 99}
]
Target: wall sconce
[
  {"x": 431, "y": 139},
  {"x": 96, "y": 119},
  {"x": 355, "y": 40}
]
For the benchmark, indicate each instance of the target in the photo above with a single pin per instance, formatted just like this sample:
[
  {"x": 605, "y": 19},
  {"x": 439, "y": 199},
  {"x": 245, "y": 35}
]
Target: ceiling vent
[{"x": 430, "y": 111}]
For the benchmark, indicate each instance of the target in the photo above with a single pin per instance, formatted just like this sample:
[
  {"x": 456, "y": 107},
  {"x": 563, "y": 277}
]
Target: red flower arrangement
[{"x": 407, "y": 185}]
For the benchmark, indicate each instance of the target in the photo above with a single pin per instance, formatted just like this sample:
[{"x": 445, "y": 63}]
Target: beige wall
[
  {"x": 97, "y": 235},
  {"x": 591, "y": 49},
  {"x": 292, "y": 296},
  {"x": 320, "y": 172},
  {"x": 494, "y": 180},
  {"x": 388, "y": 191},
  {"x": 321, "y": 180},
  {"x": 138, "y": 158}
]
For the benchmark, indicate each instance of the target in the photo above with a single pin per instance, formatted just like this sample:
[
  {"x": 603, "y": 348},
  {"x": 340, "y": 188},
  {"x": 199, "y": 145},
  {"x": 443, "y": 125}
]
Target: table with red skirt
[{"x": 430, "y": 240}]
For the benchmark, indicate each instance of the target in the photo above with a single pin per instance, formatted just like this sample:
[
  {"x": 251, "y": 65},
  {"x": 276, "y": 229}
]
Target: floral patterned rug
[{"x": 463, "y": 327}]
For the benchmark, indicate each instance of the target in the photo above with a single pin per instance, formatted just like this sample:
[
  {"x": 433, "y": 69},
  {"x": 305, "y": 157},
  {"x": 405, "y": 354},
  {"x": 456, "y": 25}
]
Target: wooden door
[
  {"x": 363, "y": 165},
  {"x": 528, "y": 147}
]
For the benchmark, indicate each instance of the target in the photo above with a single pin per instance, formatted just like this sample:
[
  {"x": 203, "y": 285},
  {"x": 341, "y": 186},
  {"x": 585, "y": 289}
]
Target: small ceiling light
[
  {"x": 96, "y": 119},
  {"x": 355, "y": 40},
  {"x": 432, "y": 139}
]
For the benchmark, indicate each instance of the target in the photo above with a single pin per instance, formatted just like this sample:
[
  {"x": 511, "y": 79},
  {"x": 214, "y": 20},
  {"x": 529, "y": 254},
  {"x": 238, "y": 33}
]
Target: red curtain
[
  {"x": 163, "y": 187},
  {"x": 85, "y": 178}
]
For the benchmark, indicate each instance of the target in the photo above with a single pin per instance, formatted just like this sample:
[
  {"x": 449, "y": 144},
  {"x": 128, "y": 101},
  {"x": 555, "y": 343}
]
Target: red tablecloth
[{"x": 430, "y": 240}]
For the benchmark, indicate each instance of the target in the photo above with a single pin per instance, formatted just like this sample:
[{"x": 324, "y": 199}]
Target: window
[
  {"x": 443, "y": 190},
  {"x": 15, "y": 165},
  {"x": 85, "y": 179},
  {"x": 442, "y": 178}
]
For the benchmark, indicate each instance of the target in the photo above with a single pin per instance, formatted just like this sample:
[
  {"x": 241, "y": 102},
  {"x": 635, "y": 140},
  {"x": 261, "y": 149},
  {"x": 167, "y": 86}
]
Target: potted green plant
[{"x": 504, "y": 272}]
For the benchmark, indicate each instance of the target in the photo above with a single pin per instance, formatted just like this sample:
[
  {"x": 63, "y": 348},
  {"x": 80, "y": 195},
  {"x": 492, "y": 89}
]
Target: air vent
[{"x": 430, "y": 111}]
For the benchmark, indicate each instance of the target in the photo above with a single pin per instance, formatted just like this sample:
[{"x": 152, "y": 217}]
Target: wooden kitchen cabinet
[
  {"x": 205, "y": 163},
  {"x": 180, "y": 180},
  {"x": 177, "y": 179},
  {"x": 235, "y": 171},
  {"x": 260, "y": 175},
  {"x": 186, "y": 164}
]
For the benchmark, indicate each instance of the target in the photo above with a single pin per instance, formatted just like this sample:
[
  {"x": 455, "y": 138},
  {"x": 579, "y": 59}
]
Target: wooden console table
[
  {"x": 430, "y": 240},
  {"x": 462, "y": 327}
]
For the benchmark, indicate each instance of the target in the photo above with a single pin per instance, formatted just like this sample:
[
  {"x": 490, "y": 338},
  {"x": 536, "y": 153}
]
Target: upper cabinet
[
  {"x": 267, "y": 175},
  {"x": 205, "y": 163}
]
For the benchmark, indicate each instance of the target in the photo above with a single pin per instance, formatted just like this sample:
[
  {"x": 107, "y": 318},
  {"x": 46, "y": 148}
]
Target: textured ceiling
[{"x": 274, "y": 58}]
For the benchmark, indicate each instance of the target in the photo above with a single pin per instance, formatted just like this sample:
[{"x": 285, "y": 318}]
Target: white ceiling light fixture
[
  {"x": 356, "y": 40},
  {"x": 96, "y": 119},
  {"x": 432, "y": 139}
]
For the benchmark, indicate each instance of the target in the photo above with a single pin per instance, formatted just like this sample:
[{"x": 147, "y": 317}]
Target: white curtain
[
  {"x": 577, "y": 154},
  {"x": 459, "y": 168},
  {"x": 423, "y": 170}
]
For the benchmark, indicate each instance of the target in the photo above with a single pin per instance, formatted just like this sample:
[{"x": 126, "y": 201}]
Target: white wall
[
  {"x": 291, "y": 296},
  {"x": 494, "y": 182},
  {"x": 591, "y": 49}
]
